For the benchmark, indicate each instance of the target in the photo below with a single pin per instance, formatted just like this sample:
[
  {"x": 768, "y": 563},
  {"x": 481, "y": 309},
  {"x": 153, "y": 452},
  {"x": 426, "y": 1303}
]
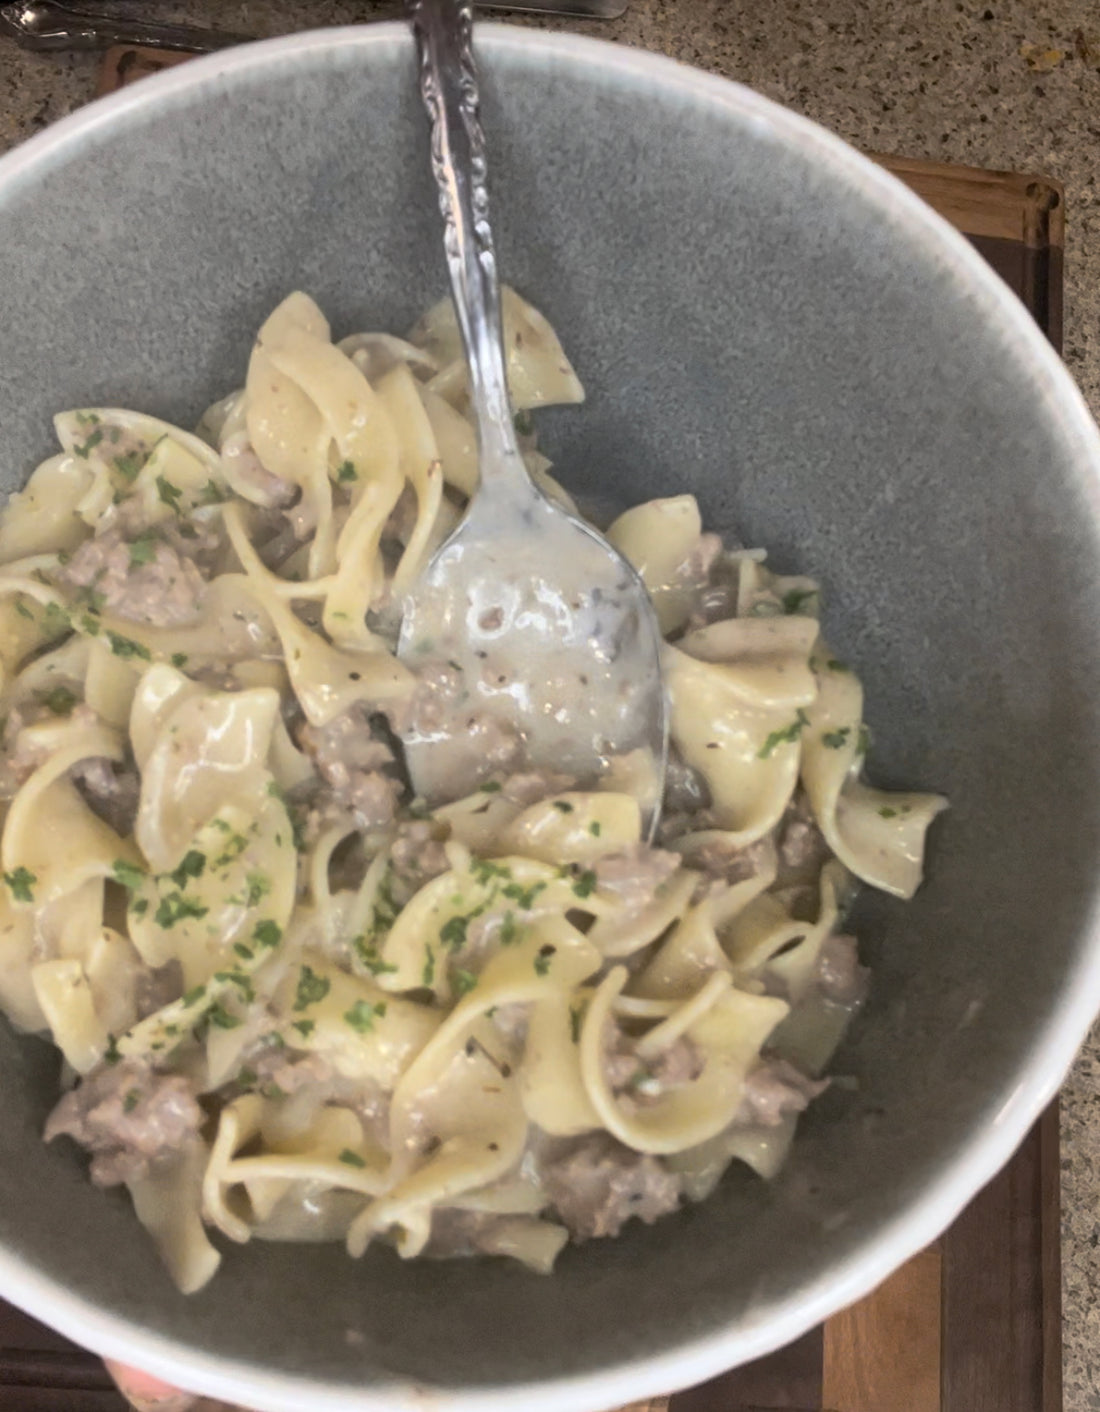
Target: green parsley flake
[
  {"x": 523, "y": 896},
  {"x": 178, "y": 660},
  {"x": 464, "y": 982},
  {"x": 836, "y": 740},
  {"x": 247, "y": 1076},
  {"x": 491, "y": 787},
  {"x": 243, "y": 984},
  {"x": 864, "y": 740},
  {"x": 193, "y": 996},
  {"x": 483, "y": 871},
  {"x": 887, "y": 813},
  {"x": 143, "y": 550},
  {"x": 90, "y": 445},
  {"x": 267, "y": 933},
  {"x": 131, "y": 1101},
  {"x": 192, "y": 866},
  {"x": 834, "y": 664},
  {"x": 384, "y": 908},
  {"x": 56, "y": 619},
  {"x": 563, "y": 806},
  {"x": 304, "y": 1027},
  {"x": 786, "y": 736},
  {"x": 362, "y": 1015},
  {"x": 219, "y": 1016},
  {"x": 23, "y": 611},
  {"x": 128, "y": 874},
  {"x": 90, "y": 624},
  {"x": 523, "y": 423},
  {"x": 111, "y": 1054},
  {"x": 793, "y": 601},
  {"x": 585, "y": 884},
  {"x": 542, "y": 960},
  {"x": 169, "y": 493},
  {"x": 244, "y": 952},
  {"x": 210, "y": 494},
  {"x": 21, "y": 881},
  {"x": 510, "y": 930},
  {"x": 428, "y": 974},
  {"x": 126, "y": 647},
  {"x": 346, "y": 472},
  {"x": 311, "y": 988},
  {"x": 367, "y": 953},
  {"x": 576, "y": 1020},
  {"x": 176, "y": 908},
  {"x": 129, "y": 463},
  {"x": 352, "y": 1159},
  {"x": 594, "y": 828},
  {"x": 298, "y": 826},
  {"x": 140, "y": 906},
  {"x": 233, "y": 850},
  {"x": 453, "y": 932},
  {"x": 59, "y": 699},
  {"x": 259, "y": 885}
]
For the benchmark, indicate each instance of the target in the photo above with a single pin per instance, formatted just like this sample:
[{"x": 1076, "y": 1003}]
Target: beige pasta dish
[{"x": 293, "y": 1001}]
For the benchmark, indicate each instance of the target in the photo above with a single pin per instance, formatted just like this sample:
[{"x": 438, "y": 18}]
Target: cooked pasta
[{"x": 295, "y": 1002}]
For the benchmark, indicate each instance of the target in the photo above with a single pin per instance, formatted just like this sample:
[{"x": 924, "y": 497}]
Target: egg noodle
[{"x": 295, "y": 1003}]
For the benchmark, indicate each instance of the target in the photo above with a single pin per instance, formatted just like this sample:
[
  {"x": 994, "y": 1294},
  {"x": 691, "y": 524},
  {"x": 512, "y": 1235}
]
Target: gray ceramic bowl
[{"x": 765, "y": 319}]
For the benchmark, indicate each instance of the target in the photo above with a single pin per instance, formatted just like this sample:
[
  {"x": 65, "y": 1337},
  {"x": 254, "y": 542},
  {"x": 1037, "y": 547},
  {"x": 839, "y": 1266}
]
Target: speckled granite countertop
[{"x": 1010, "y": 84}]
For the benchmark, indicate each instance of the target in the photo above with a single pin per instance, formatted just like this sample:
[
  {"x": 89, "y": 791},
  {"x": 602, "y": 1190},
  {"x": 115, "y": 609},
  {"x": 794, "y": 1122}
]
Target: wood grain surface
[
  {"x": 972, "y": 1324},
  {"x": 1028, "y": 210},
  {"x": 885, "y": 1350}
]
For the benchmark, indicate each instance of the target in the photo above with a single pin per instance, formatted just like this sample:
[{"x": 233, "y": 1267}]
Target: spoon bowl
[{"x": 528, "y": 619}]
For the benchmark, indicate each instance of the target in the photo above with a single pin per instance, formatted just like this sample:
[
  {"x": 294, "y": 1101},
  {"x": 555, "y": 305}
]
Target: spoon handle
[{"x": 448, "y": 86}]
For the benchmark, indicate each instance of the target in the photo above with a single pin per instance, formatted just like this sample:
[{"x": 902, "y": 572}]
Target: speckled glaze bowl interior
[{"x": 765, "y": 319}]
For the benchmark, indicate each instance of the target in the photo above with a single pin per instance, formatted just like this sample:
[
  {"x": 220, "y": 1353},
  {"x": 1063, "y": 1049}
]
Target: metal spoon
[
  {"x": 49, "y": 25},
  {"x": 530, "y": 623}
]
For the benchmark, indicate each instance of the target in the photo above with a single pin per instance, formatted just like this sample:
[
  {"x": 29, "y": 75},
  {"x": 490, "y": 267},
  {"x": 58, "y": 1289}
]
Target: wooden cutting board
[{"x": 973, "y": 1324}]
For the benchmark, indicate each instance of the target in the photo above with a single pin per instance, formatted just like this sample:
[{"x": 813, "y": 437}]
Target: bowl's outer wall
[{"x": 827, "y": 385}]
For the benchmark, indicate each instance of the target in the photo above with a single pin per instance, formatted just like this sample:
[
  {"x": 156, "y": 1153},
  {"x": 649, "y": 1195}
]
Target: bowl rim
[{"x": 1039, "y": 1072}]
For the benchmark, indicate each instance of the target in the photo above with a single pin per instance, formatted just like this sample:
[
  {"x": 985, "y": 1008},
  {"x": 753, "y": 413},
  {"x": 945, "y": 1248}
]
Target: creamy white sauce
[{"x": 546, "y": 670}]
